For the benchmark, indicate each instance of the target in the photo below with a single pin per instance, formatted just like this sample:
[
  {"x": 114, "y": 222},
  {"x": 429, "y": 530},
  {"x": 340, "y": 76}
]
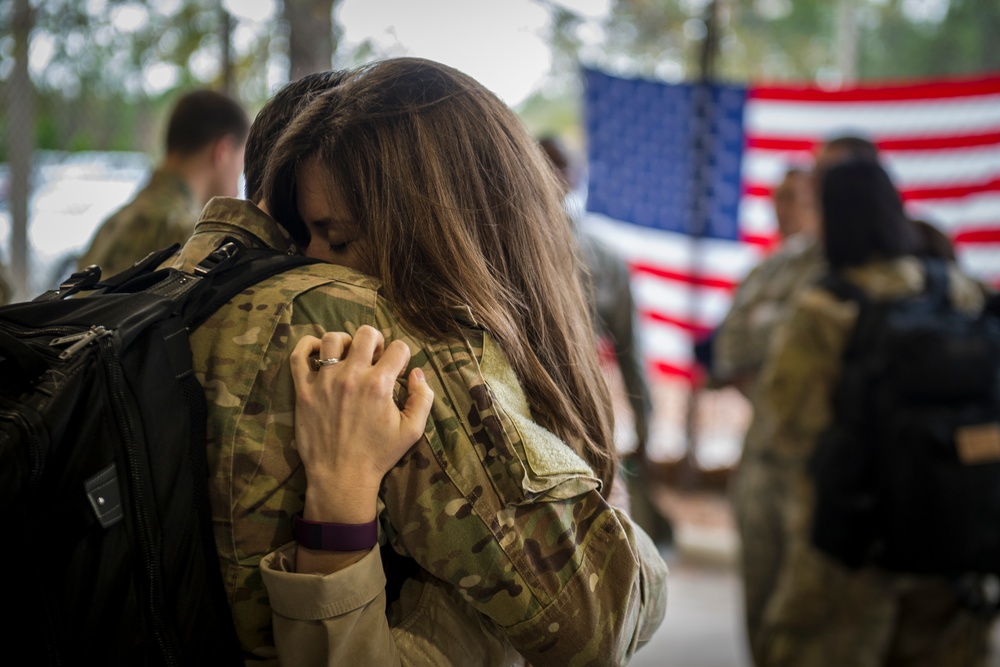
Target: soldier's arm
[
  {"x": 803, "y": 366},
  {"x": 566, "y": 578},
  {"x": 624, "y": 330},
  {"x": 736, "y": 351}
]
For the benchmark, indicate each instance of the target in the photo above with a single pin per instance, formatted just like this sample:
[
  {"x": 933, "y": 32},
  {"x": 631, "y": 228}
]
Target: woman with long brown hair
[{"x": 413, "y": 173}]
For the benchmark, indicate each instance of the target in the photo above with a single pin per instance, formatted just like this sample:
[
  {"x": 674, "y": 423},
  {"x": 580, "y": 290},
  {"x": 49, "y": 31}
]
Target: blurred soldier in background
[
  {"x": 204, "y": 157},
  {"x": 740, "y": 345},
  {"x": 614, "y": 315},
  {"x": 759, "y": 491},
  {"x": 820, "y": 612}
]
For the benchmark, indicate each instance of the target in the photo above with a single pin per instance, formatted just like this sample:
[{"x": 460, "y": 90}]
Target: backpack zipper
[
  {"x": 127, "y": 425},
  {"x": 79, "y": 341}
]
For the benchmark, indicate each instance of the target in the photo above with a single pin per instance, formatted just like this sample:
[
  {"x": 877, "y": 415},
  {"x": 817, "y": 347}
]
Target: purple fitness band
[{"x": 335, "y": 536}]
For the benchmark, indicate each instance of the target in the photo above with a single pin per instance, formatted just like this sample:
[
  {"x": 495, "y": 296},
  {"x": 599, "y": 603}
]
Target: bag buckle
[
  {"x": 83, "y": 279},
  {"x": 221, "y": 257}
]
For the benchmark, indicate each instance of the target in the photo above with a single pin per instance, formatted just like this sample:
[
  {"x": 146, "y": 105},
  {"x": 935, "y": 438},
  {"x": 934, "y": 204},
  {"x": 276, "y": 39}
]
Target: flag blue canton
[{"x": 642, "y": 138}]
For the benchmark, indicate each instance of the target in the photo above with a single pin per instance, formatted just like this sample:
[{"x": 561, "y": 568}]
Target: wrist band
[{"x": 324, "y": 536}]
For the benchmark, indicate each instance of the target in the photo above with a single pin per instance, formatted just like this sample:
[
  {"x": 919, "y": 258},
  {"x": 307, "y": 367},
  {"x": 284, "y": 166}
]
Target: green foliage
[
  {"x": 767, "y": 40},
  {"x": 106, "y": 71},
  {"x": 962, "y": 42}
]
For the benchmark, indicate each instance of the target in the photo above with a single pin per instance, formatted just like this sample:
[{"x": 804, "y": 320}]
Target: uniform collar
[{"x": 244, "y": 215}]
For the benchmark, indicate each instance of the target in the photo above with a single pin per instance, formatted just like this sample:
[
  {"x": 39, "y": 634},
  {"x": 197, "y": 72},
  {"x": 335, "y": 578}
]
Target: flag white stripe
[
  {"x": 909, "y": 169},
  {"x": 809, "y": 120},
  {"x": 674, "y": 252}
]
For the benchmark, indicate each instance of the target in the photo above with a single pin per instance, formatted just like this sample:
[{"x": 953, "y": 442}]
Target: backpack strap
[
  {"x": 936, "y": 280},
  {"x": 843, "y": 289},
  {"x": 230, "y": 269}
]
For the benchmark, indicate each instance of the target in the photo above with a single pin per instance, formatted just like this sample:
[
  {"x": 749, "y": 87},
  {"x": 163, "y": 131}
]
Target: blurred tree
[
  {"x": 311, "y": 36},
  {"x": 19, "y": 105},
  {"x": 911, "y": 38},
  {"x": 106, "y": 71},
  {"x": 782, "y": 39}
]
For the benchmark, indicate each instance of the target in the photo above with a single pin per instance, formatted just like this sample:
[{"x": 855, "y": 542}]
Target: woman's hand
[{"x": 348, "y": 429}]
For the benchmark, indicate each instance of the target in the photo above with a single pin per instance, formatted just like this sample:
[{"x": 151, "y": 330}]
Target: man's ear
[{"x": 223, "y": 149}]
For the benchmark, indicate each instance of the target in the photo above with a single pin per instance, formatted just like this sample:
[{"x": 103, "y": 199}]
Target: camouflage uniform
[
  {"x": 163, "y": 213},
  {"x": 504, "y": 520},
  {"x": 5, "y": 291},
  {"x": 822, "y": 614},
  {"x": 759, "y": 488}
]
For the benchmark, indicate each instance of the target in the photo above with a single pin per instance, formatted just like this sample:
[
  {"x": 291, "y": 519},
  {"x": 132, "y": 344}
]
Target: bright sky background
[{"x": 502, "y": 43}]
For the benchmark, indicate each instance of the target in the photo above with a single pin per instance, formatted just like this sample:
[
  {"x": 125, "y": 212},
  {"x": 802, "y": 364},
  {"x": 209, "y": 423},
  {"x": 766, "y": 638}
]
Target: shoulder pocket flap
[{"x": 551, "y": 468}]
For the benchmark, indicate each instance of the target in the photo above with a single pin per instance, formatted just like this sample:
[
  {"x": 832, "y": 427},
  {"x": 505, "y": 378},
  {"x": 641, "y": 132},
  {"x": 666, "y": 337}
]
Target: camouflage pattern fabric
[
  {"x": 5, "y": 291},
  {"x": 760, "y": 303},
  {"x": 163, "y": 213},
  {"x": 759, "y": 488},
  {"x": 488, "y": 502},
  {"x": 822, "y": 614}
]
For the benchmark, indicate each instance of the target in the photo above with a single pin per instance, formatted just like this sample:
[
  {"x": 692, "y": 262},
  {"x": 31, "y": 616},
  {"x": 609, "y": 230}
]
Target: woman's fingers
[
  {"x": 299, "y": 360},
  {"x": 418, "y": 407},
  {"x": 366, "y": 345},
  {"x": 395, "y": 359},
  {"x": 335, "y": 345}
]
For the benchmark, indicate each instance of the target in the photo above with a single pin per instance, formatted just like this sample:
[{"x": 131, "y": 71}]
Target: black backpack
[
  {"x": 908, "y": 475},
  {"x": 109, "y": 556}
]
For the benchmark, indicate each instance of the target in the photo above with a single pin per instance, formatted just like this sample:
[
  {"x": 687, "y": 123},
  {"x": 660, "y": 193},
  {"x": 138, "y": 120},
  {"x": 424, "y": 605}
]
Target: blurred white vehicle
[{"x": 72, "y": 193}]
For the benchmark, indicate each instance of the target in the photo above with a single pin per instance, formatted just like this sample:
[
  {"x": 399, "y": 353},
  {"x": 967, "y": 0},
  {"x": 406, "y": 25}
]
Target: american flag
[{"x": 940, "y": 140}]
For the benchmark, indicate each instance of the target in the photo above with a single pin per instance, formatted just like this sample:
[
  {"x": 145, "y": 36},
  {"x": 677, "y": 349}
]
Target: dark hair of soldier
[
  {"x": 863, "y": 216},
  {"x": 202, "y": 117},
  {"x": 458, "y": 208},
  {"x": 273, "y": 119}
]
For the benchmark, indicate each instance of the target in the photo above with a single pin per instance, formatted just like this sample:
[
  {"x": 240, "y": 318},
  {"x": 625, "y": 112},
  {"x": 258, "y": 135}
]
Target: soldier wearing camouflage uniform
[
  {"x": 204, "y": 157},
  {"x": 518, "y": 553},
  {"x": 759, "y": 486},
  {"x": 822, "y": 614}
]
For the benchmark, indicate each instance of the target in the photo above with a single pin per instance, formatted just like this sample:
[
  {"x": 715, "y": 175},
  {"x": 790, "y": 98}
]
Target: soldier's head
[
  {"x": 841, "y": 148},
  {"x": 273, "y": 119},
  {"x": 561, "y": 160},
  {"x": 205, "y": 137},
  {"x": 863, "y": 216},
  {"x": 795, "y": 204},
  {"x": 413, "y": 172}
]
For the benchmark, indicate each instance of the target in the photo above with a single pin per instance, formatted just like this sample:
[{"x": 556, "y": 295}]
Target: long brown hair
[{"x": 459, "y": 208}]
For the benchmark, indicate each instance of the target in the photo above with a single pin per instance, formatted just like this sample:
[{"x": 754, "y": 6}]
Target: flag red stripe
[
  {"x": 956, "y": 191},
  {"x": 881, "y": 91},
  {"x": 686, "y": 372},
  {"x": 760, "y": 240},
  {"x": 677, "y": 276},
  {"x": 897, "y": 144},
  {"x": 661, "y": 318},
  {"x": 985, "y": 235},
  {"x": 951, "y": 191}
]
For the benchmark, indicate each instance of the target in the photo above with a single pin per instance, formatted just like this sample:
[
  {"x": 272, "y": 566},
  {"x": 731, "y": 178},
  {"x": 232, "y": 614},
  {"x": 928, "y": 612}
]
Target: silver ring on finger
[{"x": 320, "y": 363}]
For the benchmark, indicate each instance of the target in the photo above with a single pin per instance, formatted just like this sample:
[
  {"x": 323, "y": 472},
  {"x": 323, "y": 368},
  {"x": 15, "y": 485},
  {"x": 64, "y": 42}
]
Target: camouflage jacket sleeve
[
  {"x": 511, "y": 519},
  {"x": 802, "y": 369},
  {"x": 760, "y": 305},
  {"x": 735, "y": 349}
]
